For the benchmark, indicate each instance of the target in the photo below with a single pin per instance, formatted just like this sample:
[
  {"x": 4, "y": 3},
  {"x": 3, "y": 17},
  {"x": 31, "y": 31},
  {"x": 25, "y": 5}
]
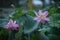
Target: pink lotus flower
[
  {"x": 11, "y": 25},
  {"x": 41, "y": 16}
]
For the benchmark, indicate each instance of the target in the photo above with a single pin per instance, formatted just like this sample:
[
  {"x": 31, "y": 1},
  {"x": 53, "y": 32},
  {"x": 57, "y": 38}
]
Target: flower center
[{"x": 41, "y": 16}]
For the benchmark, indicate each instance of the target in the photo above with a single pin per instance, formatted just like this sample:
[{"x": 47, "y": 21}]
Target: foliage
[{"x": 30, "y": 29}]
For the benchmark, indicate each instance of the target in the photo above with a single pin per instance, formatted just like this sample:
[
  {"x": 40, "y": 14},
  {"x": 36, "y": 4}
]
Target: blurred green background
[{"x": 18, "y": 8}]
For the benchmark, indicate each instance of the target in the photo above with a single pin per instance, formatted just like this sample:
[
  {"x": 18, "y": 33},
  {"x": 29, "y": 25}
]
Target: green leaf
[
  {"x": 43, "y": 36},
  {"x": 56, "y": 17},
  {"x": 3, "y": 22},
  {"x": 54, "y": 20},
  {"x": 44, "y": 29},
  {"x": 30, "y": 25},
  {"x": 53, "y": 37},
  {"x": 18, "y": 13}
]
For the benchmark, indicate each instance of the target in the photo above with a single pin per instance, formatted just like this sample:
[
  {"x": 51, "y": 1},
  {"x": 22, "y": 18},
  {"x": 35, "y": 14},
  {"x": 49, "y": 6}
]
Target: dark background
[{"x": 7, "y": 3}]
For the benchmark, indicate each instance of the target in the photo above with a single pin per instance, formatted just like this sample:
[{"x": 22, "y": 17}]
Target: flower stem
[
  {"x": 11, "y": 35},
  {"x": 28, "y": 36}
]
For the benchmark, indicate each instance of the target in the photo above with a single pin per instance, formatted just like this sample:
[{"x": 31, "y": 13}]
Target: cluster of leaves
[{"x": 32, "y": 30}]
